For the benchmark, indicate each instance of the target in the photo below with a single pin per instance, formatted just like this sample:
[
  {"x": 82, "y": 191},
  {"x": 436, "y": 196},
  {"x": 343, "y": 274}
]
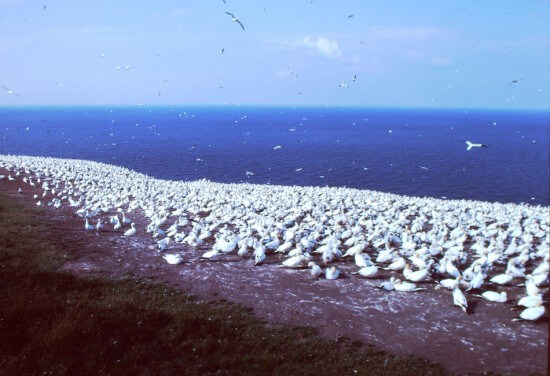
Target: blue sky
[{"x": 405, "y": 53}]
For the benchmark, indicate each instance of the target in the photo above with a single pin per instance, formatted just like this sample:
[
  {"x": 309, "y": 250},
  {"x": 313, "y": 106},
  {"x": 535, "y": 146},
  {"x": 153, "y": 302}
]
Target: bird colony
[{"x": 465, "y": 247}]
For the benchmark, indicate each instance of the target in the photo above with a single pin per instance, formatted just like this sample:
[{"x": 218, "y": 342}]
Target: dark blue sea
[{"x": 404, "y": 151}]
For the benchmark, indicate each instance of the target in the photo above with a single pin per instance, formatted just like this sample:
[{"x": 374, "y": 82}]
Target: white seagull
[{"x": 235, "y": 19}]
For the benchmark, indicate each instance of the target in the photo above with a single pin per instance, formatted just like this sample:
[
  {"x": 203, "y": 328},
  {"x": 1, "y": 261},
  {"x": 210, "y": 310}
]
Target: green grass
[{"x": 53, "y": 322}]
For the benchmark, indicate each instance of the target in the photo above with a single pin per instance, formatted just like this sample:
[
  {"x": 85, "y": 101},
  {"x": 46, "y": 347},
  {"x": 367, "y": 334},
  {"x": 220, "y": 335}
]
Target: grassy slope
[{"x": 58, "y": 323}]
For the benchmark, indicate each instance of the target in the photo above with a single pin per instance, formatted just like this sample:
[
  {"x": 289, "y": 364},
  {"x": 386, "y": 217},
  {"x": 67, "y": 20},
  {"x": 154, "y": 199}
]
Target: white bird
[
  {"x": 405, "y": 286},
  {"x": 388, "y": 285},
  {"x": 210, "y": 255},
  {"x": 131, "y": 231},
  {"x": 533, "y": 313},
  {"x": 530, "y": 301},
  {"x": 277, "y": 147},
  {"x": 99, "y": 225},
  {"x": 472, "y": 145},
  {"x": 368, "y": 271},
  {"x": 459, "y": 299},
  {"x": 332, "y": 273},
  {"x": 10, "y": 91},
  {"x": 173, "y": 259},
  {"x": 493, "y": 296},
  {"x": 416, "y": 276},
  {"x": 294, "y": 262},
  {"x": 88, "y": 226},
  {"x": 344, "y": 86},
  {"x": 315, "y": 269},
  {"x": 235, "y": 19},
  {"x": 162, "y": 244},
  {"x": 502, "y": 279}
]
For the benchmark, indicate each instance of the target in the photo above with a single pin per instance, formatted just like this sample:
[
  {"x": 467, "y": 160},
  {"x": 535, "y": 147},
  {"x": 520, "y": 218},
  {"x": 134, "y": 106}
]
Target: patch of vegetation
[{"x": 54, "y": 322}]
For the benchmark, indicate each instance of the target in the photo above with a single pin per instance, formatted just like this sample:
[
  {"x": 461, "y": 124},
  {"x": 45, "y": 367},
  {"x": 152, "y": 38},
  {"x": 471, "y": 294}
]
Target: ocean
[{"x": 412, "y": 152}]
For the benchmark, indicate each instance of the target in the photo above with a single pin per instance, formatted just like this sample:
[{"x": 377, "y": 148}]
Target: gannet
[
  {"x": 173, "y": 259},
  {"x": 459, "y": 299},
  {"x": 533, "y": 313},
  {"x": 88, "y": 226},
  {"x": 332, "y": 273},
  {"x": 493, "y": 296},
  {"x": 10, "y": 91},
  {"x": 235, "y": 19},
  {"x": 315, "y": 269},
  {"x": 471, "y": 145},
  {"x": 131, "y": 231},
  {"x": 368, "y": 271}
]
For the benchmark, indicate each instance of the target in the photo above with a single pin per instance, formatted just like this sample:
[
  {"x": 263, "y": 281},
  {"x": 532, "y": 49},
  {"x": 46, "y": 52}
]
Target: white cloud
[{"x": 326, "y": 47}]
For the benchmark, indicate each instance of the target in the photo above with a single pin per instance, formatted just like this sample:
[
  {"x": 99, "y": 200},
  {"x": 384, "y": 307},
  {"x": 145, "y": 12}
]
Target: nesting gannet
[
  {"x": 162, "y": 244},
  {"x": 368, "y": 271},
  {"x": 294, "y": 262},
  {"x": 173, "y": 259},
  {"x": 502, "y": 279},
  {"x": 530, "y": 301},
  {"x": 235, "y": 19},
  {"x": 416, "y": 276},
  {"x": 315, "y": 269},
  {"x": 472, "y": 145},
  {"x": 210, "y": 255},
  {"x": 406, "y": 286},
  {"x": 388, "y": 285},
  {"x": 131, "y": 231},
  {"x": 493, "y": 296},
  {"x": 332, "y": 273},
  {"x": 533, "y": 313}
]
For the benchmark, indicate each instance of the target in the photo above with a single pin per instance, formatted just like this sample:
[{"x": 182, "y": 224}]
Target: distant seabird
[
  {"x": 10, "y": 91},
  {"x": 472, "y": 145},
  {"x": 235, "y": 19},
  {"x": 354, "y": 77},
  {"x": 344, "y": 85},
  {"x": 514, "y": 81}
]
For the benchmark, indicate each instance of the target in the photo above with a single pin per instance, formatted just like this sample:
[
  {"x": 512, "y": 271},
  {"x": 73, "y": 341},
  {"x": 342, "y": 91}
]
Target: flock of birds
[{"x": 466, "y": 247}]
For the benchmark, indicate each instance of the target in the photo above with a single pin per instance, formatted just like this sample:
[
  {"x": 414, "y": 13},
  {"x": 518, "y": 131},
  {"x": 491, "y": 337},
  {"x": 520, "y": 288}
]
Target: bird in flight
[
  {"x": 350, "y": 16},
  {"x": 354, "y": 77},
  {"x": 10, "y": 91},
  {"x": 222, "y": 51},
  {"x": 344, "y": 85},
  {"x": 235, "y": 19},
  {"x": 472, "y": 145},
  {"x": 514, "y": 82}
]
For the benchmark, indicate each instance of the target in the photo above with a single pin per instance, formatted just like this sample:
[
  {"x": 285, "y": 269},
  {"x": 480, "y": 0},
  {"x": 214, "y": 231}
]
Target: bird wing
[
  {"x": 230, "y": 14},
  {"x": 239, "y": 22}
]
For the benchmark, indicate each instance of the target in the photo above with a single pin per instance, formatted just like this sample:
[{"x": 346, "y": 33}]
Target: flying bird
[
  {"x": 235, "y": 19},
  {"x": 222, "y": 51},
  {"x": 344, "y": 85},
  {"x": 514, "y": 81},
  {"x": 471, "y": 145},
  {"x": 354, "y": 77},
  {"x": 10, "y": 91},
  {"x": 350, "y": 16}
]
